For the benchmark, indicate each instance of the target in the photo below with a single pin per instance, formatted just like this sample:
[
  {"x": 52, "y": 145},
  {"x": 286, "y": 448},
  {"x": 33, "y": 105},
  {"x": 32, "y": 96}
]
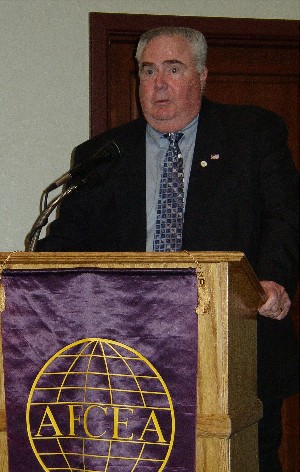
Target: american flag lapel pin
[{"x": 213, "y": 157}]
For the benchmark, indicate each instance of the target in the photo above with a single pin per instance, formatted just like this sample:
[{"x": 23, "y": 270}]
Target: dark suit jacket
[{"x": 245, "y": 200}]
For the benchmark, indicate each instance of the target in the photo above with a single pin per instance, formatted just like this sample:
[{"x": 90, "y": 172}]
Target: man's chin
[
  {"x": 163, "y": 124},
  {"x": 162, "y": 116}
]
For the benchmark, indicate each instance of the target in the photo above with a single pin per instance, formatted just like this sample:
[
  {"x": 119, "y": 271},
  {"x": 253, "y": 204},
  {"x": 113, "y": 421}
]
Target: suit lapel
[
  {"x": 130, "y": 190},
  {"x": 209, "y": 164}
]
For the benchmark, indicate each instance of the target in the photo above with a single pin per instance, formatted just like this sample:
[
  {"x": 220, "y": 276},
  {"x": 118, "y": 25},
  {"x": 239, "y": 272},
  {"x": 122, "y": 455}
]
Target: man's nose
[{"x": 161, "y": 80}]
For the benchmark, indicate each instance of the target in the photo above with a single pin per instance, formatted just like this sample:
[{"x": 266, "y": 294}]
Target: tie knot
[{"x": 173, "y": 138}]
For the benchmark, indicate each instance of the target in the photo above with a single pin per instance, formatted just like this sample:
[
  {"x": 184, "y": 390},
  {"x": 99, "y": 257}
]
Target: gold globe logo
[{"x": 99, "y": 405}]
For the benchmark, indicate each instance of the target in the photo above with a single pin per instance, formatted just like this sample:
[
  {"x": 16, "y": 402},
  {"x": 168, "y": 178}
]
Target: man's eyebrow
[
  {"x": 173, "y": 61},
  {"x": 168, "y": 61},
  {"x": 147, "y": 64}
]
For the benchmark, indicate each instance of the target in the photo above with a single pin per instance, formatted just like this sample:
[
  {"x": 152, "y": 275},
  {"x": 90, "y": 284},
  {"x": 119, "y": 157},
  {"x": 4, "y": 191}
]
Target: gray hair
[{"x": 195, "y": 38}]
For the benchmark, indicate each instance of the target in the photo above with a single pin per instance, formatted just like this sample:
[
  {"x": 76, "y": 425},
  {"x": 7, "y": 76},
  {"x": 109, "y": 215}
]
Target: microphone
[{"x": 111, "y": 150}]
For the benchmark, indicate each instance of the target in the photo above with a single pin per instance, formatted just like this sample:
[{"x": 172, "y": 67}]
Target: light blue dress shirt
[{"x": 156, "y": 148}]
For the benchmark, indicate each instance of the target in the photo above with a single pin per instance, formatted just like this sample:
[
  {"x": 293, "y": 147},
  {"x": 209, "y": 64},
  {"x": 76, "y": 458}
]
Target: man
[{"x": 239, "y": 194}]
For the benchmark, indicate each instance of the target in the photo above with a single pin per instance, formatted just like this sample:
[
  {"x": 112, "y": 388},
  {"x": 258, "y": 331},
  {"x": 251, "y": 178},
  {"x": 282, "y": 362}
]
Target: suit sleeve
[{"x": 279, "y": 187}]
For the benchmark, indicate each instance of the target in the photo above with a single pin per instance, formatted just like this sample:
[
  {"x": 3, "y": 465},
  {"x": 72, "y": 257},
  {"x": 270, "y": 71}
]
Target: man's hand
[{"x": 278, "y": 302}]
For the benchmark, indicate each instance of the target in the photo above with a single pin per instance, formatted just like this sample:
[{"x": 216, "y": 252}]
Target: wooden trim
[
  {"x": 64, "y": 260},
  {"x": 2, "y": 420},
  {"x": 225, "y": 426},
  {"x": 122, "y": 259}
]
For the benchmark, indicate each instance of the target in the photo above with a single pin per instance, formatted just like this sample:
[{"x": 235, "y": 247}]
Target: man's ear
[{"x": 203, "y": 77}]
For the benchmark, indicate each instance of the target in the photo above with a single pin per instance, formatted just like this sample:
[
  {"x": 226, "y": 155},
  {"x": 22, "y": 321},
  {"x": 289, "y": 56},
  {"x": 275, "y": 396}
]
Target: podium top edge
[
  {"x": 21, "y": 260},
  {"x": 38, "y": 260},
  {"x": 127, "y": 260}
]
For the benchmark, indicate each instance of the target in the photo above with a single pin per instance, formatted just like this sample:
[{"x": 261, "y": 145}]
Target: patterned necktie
[{"x": 169, "y": 220}]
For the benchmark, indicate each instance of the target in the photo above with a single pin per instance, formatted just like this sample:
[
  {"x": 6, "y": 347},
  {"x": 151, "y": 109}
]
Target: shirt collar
[{"x": 157, "y": 137}]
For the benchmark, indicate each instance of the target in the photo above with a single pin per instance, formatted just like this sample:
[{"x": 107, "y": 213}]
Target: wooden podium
[{"x": 228, "y": 294}]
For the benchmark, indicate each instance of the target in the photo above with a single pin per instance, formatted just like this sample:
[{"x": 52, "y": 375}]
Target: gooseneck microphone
[
  {"x": 76, "y": 176},
  {"x": 109, "y": 152}
]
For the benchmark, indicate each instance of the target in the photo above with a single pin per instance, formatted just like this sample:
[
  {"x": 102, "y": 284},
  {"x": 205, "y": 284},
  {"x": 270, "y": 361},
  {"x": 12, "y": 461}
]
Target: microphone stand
[
  {"x": 42, "y": 219},
  {"x": 80, "y": 173}
]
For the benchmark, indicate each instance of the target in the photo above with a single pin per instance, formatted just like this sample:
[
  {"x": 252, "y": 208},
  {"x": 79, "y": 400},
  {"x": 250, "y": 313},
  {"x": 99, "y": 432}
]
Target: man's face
[{"x": 170, "y": 85}]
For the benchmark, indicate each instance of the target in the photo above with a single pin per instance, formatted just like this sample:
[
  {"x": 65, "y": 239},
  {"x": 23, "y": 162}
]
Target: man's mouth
[{"x": 162, "y": 101}]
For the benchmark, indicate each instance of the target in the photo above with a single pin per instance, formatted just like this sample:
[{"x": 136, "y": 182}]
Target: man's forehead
[
  {"x": 167, "y": 43},
  {"x": 167, "y": 50}
]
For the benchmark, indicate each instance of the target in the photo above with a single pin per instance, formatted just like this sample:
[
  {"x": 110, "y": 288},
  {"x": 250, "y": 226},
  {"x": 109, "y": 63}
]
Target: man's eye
[
  {"x": 148, "y": 71},
  {"x": 176, "y": 69}
]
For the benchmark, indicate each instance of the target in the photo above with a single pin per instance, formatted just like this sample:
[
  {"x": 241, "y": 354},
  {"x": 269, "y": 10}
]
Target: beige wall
[{"x": 44, "y": 96}]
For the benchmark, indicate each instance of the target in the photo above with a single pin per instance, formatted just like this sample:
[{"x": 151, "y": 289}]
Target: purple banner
[{"x": 100, "y": 370}]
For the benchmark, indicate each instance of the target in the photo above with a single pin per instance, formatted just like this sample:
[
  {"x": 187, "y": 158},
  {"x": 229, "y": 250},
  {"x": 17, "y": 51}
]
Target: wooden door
[{"x": 249, "y": 61}]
